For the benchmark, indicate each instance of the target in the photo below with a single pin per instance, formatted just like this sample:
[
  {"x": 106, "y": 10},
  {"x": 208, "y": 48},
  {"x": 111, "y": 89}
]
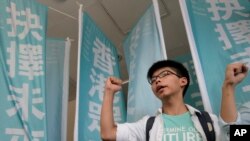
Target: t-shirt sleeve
[
  {"x": 132, "y": 131},
  {"x": 225, "y": 126}
]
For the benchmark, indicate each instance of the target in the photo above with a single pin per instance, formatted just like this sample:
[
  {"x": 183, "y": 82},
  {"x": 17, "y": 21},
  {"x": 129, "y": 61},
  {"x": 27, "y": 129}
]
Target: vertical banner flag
[
  {"x": 220, "y": 31},
  {"x": 57, "y": 84},
  {"x": 22, "y": 70},
  {"x": 98, "y": 60},
  {"x": 142, "y": 48},
  {"x": 192, "y": 96}
]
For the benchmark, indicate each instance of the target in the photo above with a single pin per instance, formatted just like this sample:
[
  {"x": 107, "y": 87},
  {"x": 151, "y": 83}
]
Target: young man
[
  {"x": 175, "y": 120},
  {"x": 234, "y": 74}
]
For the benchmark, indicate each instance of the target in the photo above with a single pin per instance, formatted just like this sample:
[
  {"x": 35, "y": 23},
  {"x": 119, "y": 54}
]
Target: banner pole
[
  {"x": 197, "y": 65},
  {"x": 65, "y": 95},
  {"x": 78, "y": 72},
  {"x": 159, "y": 27}
]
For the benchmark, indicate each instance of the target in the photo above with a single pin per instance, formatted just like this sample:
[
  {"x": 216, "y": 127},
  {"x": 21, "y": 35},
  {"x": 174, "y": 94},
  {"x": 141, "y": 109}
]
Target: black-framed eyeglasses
[{"x": 161, "y": 75}]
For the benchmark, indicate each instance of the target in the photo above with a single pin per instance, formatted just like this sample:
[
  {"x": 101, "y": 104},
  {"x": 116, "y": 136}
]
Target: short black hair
[{"x": 178, "y": 67}]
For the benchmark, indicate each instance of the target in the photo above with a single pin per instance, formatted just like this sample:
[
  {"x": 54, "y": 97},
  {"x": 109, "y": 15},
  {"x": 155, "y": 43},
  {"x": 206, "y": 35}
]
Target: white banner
[{"x": 57, "y": 85}]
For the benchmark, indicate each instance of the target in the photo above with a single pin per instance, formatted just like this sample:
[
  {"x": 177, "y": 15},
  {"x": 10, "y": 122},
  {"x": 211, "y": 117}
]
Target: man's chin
[{"x": 163, "y": 95}]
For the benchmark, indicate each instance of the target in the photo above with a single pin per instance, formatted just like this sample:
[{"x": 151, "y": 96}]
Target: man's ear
[{"x": 183, "y": 81}]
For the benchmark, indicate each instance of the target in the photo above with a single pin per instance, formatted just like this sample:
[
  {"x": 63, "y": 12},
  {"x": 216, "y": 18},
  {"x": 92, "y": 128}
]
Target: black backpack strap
[
  {"x": 207, "y": 125},
  {"x": 149, "y": 125}
]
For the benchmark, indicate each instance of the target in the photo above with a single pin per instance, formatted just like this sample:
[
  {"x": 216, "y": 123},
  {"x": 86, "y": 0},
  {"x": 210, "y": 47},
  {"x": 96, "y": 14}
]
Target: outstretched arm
[
  {"x": 234, "y": 74},
  {"x": 108, "y": 127}
]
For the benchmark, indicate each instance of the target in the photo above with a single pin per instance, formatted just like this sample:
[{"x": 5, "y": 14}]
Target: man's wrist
[
  {"x": 109, "y": 93},
  {"x": 228, "y": 88}
]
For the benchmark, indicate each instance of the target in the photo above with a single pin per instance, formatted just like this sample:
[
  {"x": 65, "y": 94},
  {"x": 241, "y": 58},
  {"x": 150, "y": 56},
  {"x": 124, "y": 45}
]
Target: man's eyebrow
[{"x": 161, "y": 72}]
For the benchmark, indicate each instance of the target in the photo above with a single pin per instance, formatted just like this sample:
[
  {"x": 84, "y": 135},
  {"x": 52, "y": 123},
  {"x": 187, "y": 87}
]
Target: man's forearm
[
  {"x": 108, "y": 128},
  {"x": 228, "y": 106}
]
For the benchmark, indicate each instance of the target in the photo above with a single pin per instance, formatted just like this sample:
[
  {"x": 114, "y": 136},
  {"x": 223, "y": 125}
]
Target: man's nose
[{"x": 158, "y": 79}]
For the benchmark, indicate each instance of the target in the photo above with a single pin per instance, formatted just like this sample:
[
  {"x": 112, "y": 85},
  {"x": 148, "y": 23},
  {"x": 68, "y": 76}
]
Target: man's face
[{"x": 166, "y": 82}]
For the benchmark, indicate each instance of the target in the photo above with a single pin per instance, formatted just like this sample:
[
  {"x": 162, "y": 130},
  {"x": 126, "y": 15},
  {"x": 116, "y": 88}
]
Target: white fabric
[
  {"x": 137, "y": 131},
  {"x": 242, "y": 118}
]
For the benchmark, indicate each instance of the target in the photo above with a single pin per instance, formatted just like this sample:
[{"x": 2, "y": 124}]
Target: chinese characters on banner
[
  {"x": 22, "y": 70},
  {"x": 221, "y": 30},
  {"x": 98, "y": 60}
]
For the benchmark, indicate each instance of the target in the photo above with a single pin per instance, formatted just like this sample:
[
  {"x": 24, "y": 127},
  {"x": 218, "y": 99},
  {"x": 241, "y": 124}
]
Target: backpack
[{"x": 205, "y": 121}]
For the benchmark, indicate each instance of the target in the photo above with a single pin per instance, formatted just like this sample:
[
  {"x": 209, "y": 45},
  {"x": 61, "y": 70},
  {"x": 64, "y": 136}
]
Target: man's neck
[{"x": 174, "y": 107}]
